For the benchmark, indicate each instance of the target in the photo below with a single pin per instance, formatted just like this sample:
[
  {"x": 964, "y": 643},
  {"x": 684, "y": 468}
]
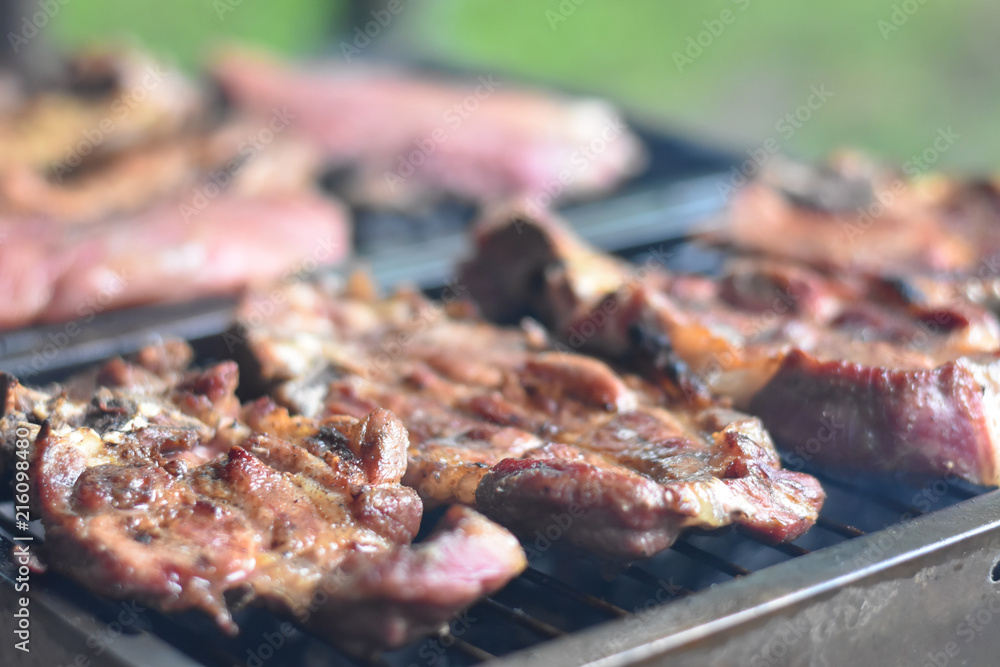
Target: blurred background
[
  {"x": 102, "y": 171},
  {"x": 892, "y": 73}
]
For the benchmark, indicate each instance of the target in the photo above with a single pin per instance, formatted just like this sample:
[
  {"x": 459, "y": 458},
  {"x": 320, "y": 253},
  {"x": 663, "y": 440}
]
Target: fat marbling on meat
[
  {"x": 160, "y": 486},
  {"x": 845, "y": 370},
  {"x": 529, "y": 435}
]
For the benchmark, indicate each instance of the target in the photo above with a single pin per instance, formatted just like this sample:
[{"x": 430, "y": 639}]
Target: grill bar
[
  {"x": 882, "y": 499},
  {"x": 786, "y": 548},
  {"x": 647, "y": 577},
  {"x": 840, "y": 528},
  {"x": 717, "y": 562},
  {"x": 470, "y": 650},
  {"x": 559, "y": 586},
  {"x": 523, "y": 619}
]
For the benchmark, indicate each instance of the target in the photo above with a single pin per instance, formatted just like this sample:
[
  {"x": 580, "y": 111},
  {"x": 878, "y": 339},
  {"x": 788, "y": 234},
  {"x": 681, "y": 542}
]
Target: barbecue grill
[{"x": 897, "y": 570}]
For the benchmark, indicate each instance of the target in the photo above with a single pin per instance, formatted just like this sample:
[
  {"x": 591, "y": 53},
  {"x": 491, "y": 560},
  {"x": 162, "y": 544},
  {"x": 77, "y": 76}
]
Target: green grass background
[{"x": 940, "y": 69}]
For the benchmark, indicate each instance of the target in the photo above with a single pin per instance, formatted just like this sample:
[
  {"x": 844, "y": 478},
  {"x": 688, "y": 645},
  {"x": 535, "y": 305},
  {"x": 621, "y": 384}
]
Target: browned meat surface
[
  {"x": 407, "y": 137},
  {"x": 165, "y": 253},
  {"x": 157, "y": 383},
  {"x": 848, "y": 371},
  {"x": 119, "y": 183},
  {"x": 185, "y": 169},
  {"x": 529, "y": 435},
  {"x": 106, "y": 100},
  {"x": 853, "y": 215},
  {"x": 120, "y": 187},
  {"x": 156, "y": 488}
]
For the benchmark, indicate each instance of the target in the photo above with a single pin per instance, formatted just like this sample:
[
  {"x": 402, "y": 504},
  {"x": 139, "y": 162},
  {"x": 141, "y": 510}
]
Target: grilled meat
[
  {"x": 847, "y": 371},
  {"x": 527, "y": 434},
  {"x": 158, "y": 489},
  {"x": 119, "y": 188},
  {"x": 187, "y": 169},
  {"x": 157, "y": 383},
  {"x": 169, "y": 252},
  {"x": 105, "y": 100},
  {"x": 405, "y": 137},
  {"x": 928, "y": 229}
]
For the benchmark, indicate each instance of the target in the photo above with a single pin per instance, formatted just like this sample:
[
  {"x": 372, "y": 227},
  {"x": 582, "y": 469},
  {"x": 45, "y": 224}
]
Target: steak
[
  {"x": 164, "y": 489},
  {"x": 500, "y": 420},
  {"x": 850, "y": 371},
  {"x": 404, "y": 137},
  {"x": 853, "y": 215},
  {"x": 121, "y": 187},
  {"x": 161, "y": 254}
]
